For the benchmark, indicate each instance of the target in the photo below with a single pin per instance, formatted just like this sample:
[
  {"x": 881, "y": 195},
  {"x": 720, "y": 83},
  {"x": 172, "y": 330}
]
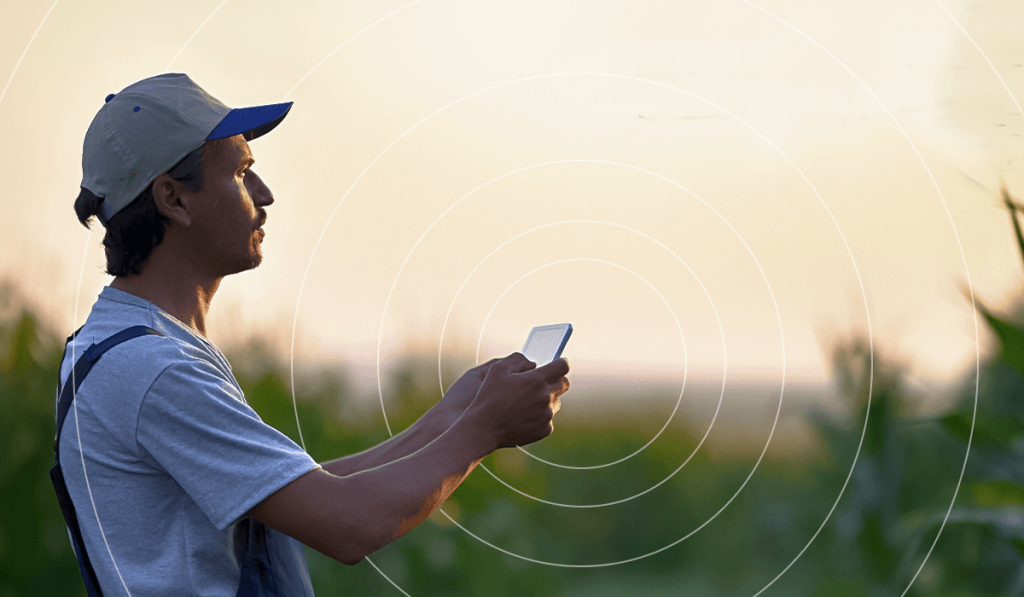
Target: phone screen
[{"x": 546, "y": 342}]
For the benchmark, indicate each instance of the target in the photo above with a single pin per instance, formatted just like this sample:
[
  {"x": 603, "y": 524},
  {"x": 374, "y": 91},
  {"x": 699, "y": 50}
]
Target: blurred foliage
[
  {"x": 35, "y": 553},
  {"x": 873, "y": 494}
]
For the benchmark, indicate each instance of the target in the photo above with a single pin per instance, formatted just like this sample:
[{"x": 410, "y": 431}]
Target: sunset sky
[{"x": 690, "y": 184}]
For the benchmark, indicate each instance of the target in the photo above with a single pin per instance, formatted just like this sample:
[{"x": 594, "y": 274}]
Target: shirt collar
[{"x": 120, "y": 296}]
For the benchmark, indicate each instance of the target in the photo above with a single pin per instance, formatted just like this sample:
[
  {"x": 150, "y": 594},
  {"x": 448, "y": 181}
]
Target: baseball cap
[{"x": 141, "y": 132}]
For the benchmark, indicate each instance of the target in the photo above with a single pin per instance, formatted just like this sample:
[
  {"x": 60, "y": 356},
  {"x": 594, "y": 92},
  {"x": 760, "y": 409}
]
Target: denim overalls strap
[
  {"x": 257, "y": 578},
  {"x": 67, "y": 395},
  {"x": 250, "y": 536}
]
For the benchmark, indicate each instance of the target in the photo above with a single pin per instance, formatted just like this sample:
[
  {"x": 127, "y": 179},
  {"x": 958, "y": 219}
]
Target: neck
[{"x": 183, "y": 294}]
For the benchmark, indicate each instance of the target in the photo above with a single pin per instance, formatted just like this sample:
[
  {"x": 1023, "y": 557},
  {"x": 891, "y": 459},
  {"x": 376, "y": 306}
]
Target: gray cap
[{"x": 144, "y": 130}]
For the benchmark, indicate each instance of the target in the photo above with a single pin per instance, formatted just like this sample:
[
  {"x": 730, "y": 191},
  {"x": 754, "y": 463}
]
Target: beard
[
  {"x": 255, "y": 251},
  {"x": 248, "y": 259}
]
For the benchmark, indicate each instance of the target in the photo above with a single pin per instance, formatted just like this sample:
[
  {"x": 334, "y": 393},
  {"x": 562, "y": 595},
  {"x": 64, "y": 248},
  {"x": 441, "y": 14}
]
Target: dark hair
[{"x": 133, "y": 232}]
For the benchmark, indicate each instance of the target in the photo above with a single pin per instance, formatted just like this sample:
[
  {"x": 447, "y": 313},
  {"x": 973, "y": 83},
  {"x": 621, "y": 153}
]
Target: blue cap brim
[{"x": 251, "y": 122}]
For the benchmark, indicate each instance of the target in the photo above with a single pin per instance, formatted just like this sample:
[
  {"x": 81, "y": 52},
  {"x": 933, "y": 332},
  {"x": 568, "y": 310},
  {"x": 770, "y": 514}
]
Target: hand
[
  {"x": 461, "y": 393},
  {"x": 517, "y": 400}
]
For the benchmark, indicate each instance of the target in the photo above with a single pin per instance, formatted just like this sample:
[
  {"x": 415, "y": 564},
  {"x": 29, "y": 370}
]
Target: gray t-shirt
[{"x": 174, "y": 458}]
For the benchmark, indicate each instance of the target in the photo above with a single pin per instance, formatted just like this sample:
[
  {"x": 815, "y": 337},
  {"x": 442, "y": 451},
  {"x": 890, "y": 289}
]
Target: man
[{"x": 178, "y": 486}]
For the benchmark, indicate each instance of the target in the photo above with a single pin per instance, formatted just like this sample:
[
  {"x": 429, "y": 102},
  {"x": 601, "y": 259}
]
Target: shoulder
[
  {"x": 115, "y": 311},
  {"x": 141, "y": 351},
  {"x": 126, "y": 369},
  {"x": 127, "y": 372},
  {"x": 168, "y": 368}
]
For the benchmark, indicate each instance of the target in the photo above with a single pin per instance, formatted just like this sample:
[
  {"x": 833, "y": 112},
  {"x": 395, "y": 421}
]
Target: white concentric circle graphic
[
  {"x": 718, "y": 320},
  {"x": 970, "y": 286},
  {"x": 472, "y": 192},
  {"x": 380, "y": 394},
  {"x": 675, "y": 318},
  {"x": 78, "y": 431},
  {"x": 674, "y": 410},
  {"x": 767, "y": 443},
  {"x": 871, "y": 370},
  {"x": 25, "y": 51},
  {"x": 681, "y": 391},
  {"x": 735, "y": 117}
]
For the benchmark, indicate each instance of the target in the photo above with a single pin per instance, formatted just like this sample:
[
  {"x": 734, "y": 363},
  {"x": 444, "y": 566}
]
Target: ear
[{"x": 169, "y": 199}]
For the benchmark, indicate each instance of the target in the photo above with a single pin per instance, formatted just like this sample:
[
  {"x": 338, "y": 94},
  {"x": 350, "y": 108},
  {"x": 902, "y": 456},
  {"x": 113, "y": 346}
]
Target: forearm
[
  {"x": 425, "y": 430},
  {"x": 381, "y": 504},
  {"x": 349, "y": 516}
]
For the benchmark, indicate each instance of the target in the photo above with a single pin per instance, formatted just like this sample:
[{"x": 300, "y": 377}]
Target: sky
[{"x": 705, "y": 190}]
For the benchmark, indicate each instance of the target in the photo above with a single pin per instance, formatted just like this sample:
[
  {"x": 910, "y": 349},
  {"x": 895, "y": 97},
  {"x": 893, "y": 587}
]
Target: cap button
[{"x": 109, "y": 97}]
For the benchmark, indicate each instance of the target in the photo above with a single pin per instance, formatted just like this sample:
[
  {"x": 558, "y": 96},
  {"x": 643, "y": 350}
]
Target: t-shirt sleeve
[{"x": 196, "y": 426}]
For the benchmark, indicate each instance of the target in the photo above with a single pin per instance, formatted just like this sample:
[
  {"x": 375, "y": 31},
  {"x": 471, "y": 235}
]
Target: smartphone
[{"x": 546, "y": 342}]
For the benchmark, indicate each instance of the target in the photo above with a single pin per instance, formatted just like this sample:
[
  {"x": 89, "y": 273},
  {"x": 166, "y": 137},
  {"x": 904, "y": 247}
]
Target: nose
[{"x": 258, "y": 190}]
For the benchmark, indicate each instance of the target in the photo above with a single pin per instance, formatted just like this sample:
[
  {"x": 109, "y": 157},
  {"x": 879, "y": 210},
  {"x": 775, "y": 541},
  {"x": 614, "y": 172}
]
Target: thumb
[{"x": 518, "y": 363}]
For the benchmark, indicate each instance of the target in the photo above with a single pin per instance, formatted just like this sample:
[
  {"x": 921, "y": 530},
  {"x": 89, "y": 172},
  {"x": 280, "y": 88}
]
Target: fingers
[
  {"x": 545, "y": 426},
  {"x": 559, "y": 387},
  {"x": 482, "y": 369},
  {"x": 553, "y": 370},
  {"x": 523, "y": 402},
  {"x": 488, "y": 364},
  {"x": 556, "y": 389},
  {"x": 517, "y": 363}
]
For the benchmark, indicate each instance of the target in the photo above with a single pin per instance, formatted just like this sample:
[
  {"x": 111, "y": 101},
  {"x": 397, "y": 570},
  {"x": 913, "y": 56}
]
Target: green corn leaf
[
  {"x": 998, "y": 493},
  {"x": 1011, "y": 339},
  {"x": 1014, "y": 207},
  {"x": 1019, "y": 545},
  {"x": 957, "y": 425}
]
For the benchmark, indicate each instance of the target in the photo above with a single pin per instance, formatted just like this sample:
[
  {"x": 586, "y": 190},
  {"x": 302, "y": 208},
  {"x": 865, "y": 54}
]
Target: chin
[
  {"x": 249, "y": 262},
  {"x": 255, "y": 255}
]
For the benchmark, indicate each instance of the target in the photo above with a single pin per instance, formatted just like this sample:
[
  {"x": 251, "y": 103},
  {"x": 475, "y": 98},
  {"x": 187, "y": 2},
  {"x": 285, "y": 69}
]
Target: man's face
[{"x": 229, "y": 211}]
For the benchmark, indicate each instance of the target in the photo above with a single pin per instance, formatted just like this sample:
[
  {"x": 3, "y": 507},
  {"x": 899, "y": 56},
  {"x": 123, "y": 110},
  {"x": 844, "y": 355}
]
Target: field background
[
  {"x": 764, "y": 200},
  {"x": 789, "y": 518}
]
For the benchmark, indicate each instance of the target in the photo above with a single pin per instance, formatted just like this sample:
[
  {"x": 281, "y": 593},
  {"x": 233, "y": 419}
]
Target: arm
[
  {"x": 347, "y": 518},
  {"x": 429, "y": 427}
]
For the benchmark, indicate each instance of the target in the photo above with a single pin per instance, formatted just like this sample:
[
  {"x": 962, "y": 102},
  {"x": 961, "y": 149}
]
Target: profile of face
[{"x": 228, "y": 213}]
